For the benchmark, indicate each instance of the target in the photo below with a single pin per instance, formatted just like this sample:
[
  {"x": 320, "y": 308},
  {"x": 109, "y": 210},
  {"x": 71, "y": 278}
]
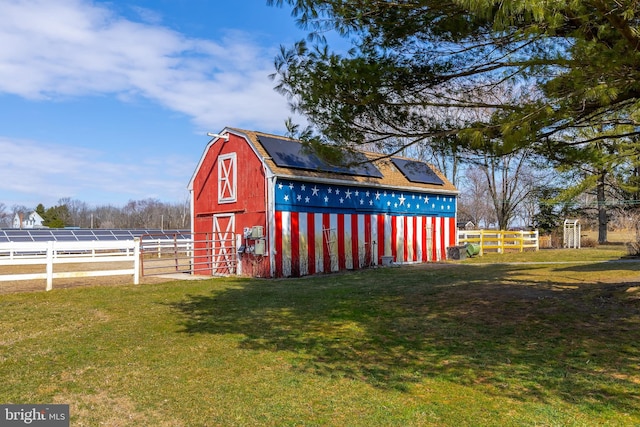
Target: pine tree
[{"x": 526, "y": 72}]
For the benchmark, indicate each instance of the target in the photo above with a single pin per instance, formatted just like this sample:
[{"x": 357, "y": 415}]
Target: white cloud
[
  {"x": 147, "y": 15},
  {"x": 70, "y": 48},
  {"x": 45, "y": 173}
]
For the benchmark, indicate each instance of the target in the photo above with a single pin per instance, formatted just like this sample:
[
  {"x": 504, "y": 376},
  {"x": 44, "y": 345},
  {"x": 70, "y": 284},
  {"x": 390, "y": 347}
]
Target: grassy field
[
  {"x": 613, "y": 236},
  {"x": 487, "y": 341}
]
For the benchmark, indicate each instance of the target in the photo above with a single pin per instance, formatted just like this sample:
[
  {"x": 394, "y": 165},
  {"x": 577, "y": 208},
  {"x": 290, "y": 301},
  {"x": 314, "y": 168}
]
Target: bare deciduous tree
[
  {"x": 474, "y": 204},
  {"x": 5, "y": 216}
]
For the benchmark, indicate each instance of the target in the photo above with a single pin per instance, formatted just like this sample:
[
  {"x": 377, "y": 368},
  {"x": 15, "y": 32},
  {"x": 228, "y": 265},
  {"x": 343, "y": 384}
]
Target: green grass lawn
[{"x": 472, "y": 343}]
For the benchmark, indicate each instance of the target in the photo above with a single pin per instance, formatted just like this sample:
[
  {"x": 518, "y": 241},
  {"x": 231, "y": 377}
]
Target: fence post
[
  {"x": 49, "y": 265},
  {"x": 521, "y": 241},
  {"x": 175, "y": 251},
  {"x": 238, "y": 256},
  {"x": 136, "y": 260}
]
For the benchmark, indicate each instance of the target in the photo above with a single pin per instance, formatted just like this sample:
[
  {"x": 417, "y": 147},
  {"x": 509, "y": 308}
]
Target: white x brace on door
[
  {"x": 224, "y": 244},
  {"x": 227, "y": 176}
]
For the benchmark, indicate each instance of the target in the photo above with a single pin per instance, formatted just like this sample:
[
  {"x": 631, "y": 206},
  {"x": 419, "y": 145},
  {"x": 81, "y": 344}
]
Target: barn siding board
[{"x": 294, "y": 245}]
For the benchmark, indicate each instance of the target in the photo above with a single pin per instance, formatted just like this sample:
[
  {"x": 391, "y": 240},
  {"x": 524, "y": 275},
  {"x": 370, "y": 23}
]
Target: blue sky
[{"x": 111, "y": 101}]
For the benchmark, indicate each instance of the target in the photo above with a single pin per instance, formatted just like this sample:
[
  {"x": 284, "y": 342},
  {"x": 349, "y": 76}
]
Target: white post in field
[{"x": 49, "y": 265}]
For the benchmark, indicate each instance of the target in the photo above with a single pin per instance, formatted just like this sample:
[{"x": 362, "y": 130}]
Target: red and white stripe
[{"x": 310, "y": 243}]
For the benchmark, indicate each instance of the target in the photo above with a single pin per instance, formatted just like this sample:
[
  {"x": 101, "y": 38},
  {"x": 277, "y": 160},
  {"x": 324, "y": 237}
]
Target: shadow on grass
[
  {"x": 472, "y": 325},
  {"x": 631, "y": 264}
]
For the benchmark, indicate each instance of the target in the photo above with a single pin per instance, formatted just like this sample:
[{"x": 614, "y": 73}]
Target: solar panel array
[
  {"x": 416, "y": 171},
  {"x": 292, "y": 154},
  {"x": 85, "y": 234}
]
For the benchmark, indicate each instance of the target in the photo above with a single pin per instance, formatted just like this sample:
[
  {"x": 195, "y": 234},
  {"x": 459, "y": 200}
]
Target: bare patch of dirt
[{"x": 105, "y": 409}]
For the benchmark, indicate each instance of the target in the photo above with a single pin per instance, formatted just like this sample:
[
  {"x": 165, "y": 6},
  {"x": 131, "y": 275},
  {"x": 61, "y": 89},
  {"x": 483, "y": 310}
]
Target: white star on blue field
[{"x": 298, "y": 196}]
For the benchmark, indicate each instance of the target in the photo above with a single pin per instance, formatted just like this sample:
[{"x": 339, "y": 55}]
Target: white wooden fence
[{"x": 52, "y": 253}]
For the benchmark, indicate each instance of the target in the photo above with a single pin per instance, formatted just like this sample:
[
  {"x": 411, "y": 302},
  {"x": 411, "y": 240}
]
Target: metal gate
[
  {"x": 162, "y": 254},
  {"x": 209, "y": 254}
]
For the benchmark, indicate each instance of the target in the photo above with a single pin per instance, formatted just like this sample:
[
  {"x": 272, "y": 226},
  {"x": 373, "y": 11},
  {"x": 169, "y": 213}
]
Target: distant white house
[{"x": 33, "y": 220}]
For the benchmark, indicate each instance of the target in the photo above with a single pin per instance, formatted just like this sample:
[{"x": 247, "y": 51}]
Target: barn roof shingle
[{"x": 391, "y": 176}]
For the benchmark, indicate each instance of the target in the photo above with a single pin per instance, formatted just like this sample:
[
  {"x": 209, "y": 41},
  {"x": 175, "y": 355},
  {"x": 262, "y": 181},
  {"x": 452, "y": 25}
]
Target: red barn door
[{"x": 224, "y": 256}]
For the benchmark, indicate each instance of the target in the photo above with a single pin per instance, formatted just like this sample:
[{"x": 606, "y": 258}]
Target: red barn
[{"x": 264, "y": 206}]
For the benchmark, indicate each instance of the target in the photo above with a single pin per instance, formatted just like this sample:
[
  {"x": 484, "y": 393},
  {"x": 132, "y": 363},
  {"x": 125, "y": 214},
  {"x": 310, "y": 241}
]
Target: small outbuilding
[{"x": 263, "y": 205}]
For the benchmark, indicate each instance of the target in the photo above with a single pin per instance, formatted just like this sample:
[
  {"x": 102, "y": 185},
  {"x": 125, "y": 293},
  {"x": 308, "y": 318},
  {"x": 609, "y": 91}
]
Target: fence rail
[
  {"x": 51, "y": 253},
  {"x": 499, "y": 240}
]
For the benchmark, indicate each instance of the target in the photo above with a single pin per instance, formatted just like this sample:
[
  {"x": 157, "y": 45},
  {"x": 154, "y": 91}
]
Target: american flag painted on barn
[{"x": 325, "y": 228}]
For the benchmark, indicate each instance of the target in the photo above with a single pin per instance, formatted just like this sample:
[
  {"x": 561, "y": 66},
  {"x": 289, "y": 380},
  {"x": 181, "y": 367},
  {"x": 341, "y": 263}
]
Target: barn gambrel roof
[{"x": 392, "y": 177}]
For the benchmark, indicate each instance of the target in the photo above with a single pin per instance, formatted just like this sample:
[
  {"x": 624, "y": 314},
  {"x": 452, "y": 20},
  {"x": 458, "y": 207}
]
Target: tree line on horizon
[{"x": 145, "y": 213}]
